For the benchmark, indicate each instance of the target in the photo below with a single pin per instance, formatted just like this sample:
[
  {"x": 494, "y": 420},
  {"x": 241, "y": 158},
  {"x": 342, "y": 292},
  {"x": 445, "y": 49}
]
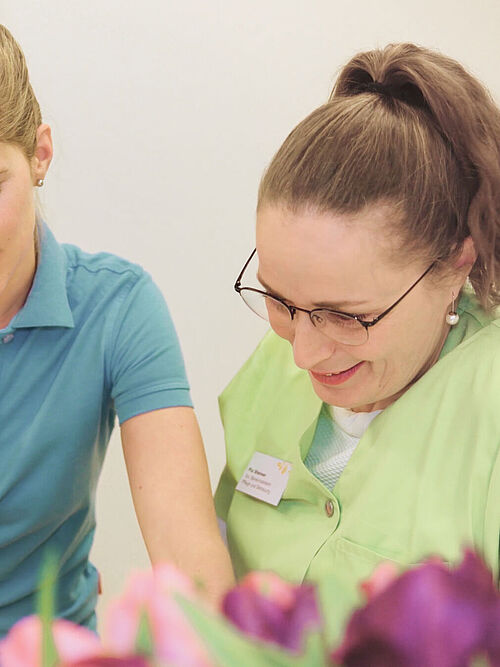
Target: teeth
[{"x": 329, "y": 375}]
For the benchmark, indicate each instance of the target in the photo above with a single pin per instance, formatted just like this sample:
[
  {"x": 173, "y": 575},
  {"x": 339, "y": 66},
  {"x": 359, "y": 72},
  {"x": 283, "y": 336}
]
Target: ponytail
[{"x": 412, "y": 127}]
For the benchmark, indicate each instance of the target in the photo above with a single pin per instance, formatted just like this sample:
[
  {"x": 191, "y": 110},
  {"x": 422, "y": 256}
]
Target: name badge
[{"x": 265, "y": 478}]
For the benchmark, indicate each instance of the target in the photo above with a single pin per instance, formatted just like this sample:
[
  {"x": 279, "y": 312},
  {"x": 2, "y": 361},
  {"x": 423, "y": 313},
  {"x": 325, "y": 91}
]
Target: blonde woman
[{"x": 84, "y": 338}]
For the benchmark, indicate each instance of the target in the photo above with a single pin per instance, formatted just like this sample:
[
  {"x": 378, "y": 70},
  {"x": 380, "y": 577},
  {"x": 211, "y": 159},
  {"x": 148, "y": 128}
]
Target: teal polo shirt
[{"x": 93, "y": 341}]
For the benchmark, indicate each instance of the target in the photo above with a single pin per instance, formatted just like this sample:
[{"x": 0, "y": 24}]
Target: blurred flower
[
  {"x": 266, "y": 607},
  {"x": 151, "y": 595},
  {"x": 22, "y": 647},
  {"x": 429, "y": 616},
  {"x": 110, "y": 662},
  {"x": 381, "y": 577}
]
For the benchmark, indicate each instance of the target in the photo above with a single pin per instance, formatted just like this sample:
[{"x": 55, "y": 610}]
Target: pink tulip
[
  {"x": 136, "y": 661},
  {"x": 22, "y": 647},
  {"x": 152, "y": 593}
]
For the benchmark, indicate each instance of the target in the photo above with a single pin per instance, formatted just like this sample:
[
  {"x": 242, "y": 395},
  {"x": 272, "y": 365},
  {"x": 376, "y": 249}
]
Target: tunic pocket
[{"x": 356, "y": 562}]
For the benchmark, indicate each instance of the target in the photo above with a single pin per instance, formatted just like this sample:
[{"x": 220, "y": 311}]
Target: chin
[
  {"x": 352, "y": 398},
  {"x": 340, "y": 397}
]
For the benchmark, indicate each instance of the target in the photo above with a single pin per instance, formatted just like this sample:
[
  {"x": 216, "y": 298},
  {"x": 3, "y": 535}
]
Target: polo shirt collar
[{"x": 47, "y": 303}]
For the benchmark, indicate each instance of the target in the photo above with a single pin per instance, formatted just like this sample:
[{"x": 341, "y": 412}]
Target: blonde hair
[
  {"x": 410, "y": 127},
  {"x": 19, "y": 110}
]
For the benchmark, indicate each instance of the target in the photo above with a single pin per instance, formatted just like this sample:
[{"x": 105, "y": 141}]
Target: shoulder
[
  {"x": 479, "y": 349},
  {"x": 105, "y": 279},
  {"x": 463, "y": 386},
  {"x": 271, "y": 362},
  {"x": 268, "y": 376},
  {"x": 478, "y": 361},
  {"x": 470, "y": 372},
  {"x": 101, "y": 265}
]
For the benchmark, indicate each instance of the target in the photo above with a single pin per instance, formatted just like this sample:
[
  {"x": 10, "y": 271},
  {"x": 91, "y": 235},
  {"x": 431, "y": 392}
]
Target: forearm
[
  {"x": 172, "y": 496},
  {"x": 204, "y": 559}
]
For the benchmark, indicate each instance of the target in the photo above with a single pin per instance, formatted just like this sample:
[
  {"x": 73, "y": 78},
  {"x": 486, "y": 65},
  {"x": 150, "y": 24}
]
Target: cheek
[
  {"x": 282, "y": 331},
  {"x": 390, "y": 356},
  {"x": 398, "y": 357},
  {"x": 278, "y": 318},
  {"x": 17, "y": 212}
]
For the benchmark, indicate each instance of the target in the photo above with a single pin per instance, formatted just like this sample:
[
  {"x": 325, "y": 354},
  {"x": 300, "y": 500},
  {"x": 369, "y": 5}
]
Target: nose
[{"x": 310, "y": 346}]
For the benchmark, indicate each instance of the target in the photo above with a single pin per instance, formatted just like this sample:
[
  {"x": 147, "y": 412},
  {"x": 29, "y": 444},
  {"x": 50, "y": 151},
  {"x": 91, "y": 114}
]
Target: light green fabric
[{"x": 423, "y": 480}]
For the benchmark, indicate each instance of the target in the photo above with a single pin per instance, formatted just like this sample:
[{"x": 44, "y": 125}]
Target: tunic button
[
  {"x": 329, "y": 508},
  {"x": 6, "y": 339}
]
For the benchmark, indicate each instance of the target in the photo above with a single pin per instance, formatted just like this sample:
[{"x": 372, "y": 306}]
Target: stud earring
[
  {"x": 452, "y": 316},
  {"x": 39, "y": 183}
]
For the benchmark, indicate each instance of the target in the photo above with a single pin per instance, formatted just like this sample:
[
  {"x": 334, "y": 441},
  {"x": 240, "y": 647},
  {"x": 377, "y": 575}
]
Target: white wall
[{"x": 164, "y": 115}]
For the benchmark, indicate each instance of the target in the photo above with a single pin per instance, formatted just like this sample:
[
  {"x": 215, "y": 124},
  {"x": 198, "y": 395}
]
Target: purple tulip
[
  {"x": 430, "y": 616},
  {"x": 268, "y": 608}
]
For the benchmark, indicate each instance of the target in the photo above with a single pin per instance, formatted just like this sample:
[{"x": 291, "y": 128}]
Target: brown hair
[
  {"x": 410, "y": 127},
  {"x": 19, "y": 110}
]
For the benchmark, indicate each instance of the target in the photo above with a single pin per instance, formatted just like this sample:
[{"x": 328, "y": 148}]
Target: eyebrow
[{"x": 324, "y": 304}]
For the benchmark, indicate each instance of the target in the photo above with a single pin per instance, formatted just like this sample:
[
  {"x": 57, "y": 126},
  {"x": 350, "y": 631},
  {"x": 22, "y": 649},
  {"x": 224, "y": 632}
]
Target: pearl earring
[
  {"x": 39, "y": 183},
  {"x": 452, "y": 316}
]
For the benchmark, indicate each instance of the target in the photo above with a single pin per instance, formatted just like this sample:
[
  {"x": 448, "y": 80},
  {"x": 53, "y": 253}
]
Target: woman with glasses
[
  {"x": 84, "y": 339},
  {"x": 366, "y": 425}
]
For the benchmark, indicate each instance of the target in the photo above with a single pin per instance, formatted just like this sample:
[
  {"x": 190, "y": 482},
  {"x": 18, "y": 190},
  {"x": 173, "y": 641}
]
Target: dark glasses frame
[{"x": 294, "y": 309}]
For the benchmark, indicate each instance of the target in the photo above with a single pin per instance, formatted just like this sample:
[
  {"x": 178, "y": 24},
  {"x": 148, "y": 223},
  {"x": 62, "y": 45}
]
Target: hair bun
[{"x": 360, "y": 82}]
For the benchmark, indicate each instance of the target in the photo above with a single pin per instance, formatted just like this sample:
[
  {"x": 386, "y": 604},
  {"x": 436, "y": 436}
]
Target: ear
[
  {"x": 43, "y": 152},
  {"x": 467, "y": 256}
]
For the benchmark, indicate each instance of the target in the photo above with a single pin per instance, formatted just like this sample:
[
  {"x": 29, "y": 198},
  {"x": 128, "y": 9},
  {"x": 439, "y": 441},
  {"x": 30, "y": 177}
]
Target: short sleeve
[{"x": 146, "y": 366}]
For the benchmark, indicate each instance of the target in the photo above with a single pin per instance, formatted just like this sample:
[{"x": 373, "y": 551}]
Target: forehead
[{"x": 310, "y": 256}]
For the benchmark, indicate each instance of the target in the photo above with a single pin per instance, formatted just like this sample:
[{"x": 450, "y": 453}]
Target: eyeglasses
[{"x": 345, "y": 328}]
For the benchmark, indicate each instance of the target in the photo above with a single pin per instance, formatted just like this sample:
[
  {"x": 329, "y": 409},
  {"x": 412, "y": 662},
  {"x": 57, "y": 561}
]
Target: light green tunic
[{"x": 423, "y": 480}]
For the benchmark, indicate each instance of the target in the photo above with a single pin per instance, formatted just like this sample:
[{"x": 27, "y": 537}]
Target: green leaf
[
  {"x": 228, "y": 647},
  {"x": 45, "y": 608},
  {"x": 144, "y": 643}
]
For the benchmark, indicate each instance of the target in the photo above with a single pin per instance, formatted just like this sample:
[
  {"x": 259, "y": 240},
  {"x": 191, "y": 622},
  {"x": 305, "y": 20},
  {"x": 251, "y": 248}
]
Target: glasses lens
[
  {"x": 342, "y": 328},
  {"x": 266, "y": 307}
]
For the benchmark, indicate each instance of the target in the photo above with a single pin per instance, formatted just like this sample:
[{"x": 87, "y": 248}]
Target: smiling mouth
[{"x": 336, "y": 378}]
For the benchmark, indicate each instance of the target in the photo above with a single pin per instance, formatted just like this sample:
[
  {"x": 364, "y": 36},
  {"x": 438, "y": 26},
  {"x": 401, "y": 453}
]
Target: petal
[
  {"x": 133, "y": 661},
  {"x": 121, "y": 625},
  {"x": 380, "y": 578},
  {"x": 276, "y": 619},
  {"x": 270, "y": 585},
  {"x": 412, "y": 616},
  {"x": 305, "y": 616},
  {"x": 173, "y": 638},
  {"x": 168, "y": 579},
  {"x": 22, "y": 646}
]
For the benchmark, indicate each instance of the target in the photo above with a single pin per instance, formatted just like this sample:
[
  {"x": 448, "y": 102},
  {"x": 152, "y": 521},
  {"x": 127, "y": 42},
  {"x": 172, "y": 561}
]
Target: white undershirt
[{"x": 337, "y": 433}]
